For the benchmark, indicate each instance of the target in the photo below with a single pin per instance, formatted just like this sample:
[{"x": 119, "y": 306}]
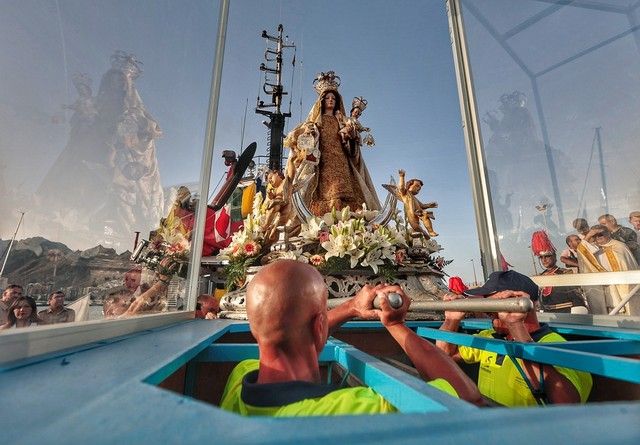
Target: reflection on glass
[
  {"x": 556, "y": 87},
  {"x": 103, "y": 112}
]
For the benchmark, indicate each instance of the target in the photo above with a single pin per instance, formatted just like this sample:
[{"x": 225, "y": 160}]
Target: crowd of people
[
  {"x": 603, "y": 247},
  {"x": 133, "y": 298},
  {"x": 20, "y": 311}
]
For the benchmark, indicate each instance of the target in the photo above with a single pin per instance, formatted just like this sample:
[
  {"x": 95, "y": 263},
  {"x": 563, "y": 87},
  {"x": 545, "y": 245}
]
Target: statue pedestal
[{"x": 420, "y": 283}]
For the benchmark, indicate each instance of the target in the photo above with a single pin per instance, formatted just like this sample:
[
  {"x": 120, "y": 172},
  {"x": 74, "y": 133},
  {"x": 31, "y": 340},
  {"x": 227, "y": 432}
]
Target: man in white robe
[{"x": 599, "y": 253}]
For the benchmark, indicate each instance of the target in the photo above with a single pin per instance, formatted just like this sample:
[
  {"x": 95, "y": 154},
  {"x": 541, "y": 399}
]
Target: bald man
[{"x": 287, "y": 310}]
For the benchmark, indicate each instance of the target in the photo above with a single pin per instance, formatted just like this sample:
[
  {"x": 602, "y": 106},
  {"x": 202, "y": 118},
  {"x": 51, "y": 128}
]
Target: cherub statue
[
  {"x": 304, "y": 158},
  {"x": 352, "y": 126},
  {"x": 276, "y": 204},
  {"x": 415, "y": 211}
]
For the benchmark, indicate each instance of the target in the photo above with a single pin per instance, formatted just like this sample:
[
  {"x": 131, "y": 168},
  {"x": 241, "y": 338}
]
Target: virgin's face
[
  {"x": 329, "y": 101},
  {"x": 22, "y": 311}
]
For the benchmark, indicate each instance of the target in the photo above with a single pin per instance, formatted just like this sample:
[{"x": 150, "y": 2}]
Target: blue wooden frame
[
  {"x": 106, "y": 393},
  {"x": 598, "y": 356}
]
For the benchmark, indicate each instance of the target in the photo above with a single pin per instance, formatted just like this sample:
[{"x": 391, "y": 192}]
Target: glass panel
[
  {"x": 557, "y": 94},
  {"x": 103, "y": 110},
  {"x": 405, "y": 73}
]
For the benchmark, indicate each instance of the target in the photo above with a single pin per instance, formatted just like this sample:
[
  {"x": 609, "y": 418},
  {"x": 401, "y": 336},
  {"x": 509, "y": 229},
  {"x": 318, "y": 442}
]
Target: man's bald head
[{"x": 283, "y": 300}]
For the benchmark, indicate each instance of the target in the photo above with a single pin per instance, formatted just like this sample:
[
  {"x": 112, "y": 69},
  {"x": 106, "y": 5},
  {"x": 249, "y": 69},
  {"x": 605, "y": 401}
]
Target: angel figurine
[{"x": 415, "y": 211}]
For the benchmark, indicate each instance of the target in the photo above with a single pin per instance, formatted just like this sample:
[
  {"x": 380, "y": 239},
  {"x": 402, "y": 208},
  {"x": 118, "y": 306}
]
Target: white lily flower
[
  {"x": 345, "y": 215},
  {"x": 311, "y": 228}
]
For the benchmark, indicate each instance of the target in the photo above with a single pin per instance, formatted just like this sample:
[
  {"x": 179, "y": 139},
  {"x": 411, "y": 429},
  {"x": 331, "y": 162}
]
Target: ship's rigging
[{"x": 273, "y": 87}]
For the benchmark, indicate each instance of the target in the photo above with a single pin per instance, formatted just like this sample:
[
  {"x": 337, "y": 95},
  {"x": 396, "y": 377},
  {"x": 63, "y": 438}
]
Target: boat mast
[
  {"x": 273, "y": 87},
  {"x": 6, "y": 257}
]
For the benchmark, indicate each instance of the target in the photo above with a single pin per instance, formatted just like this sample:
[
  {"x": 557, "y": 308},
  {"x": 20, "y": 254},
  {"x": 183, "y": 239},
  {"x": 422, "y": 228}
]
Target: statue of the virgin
[{"x": 338, "y": 179}]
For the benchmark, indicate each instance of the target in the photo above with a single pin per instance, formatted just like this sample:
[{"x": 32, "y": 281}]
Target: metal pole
[
  {"x": 603, "y": 176},
  {"x": 533, "y": 260},
  {"x": 278, "y": 95},
  {"x": 6, "y": 257},
  {"x": 475, "y": 278},
  {"x": 197, "y": 239},
  {"x": 519, "y": 304},
  {"x": 485, "y": 221}
]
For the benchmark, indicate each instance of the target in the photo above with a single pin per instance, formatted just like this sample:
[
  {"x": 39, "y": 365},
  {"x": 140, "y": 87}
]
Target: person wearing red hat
[
  {"x": 508, "y": 381},
  {"x": 567, "y": 299}
]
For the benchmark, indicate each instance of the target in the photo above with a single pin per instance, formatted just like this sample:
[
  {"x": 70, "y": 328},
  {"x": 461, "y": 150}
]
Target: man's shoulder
[
  {"x": 345, "y": 401},
  {"x": 627, "y": 232},
  {"x": 355, "y": 400},
  {"x": 618, "y": 245},
  {"x": 545, "y": 335}
]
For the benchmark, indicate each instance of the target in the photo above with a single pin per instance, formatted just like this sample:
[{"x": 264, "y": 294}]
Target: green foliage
[
  {"x": 388, "y": 273},
  {"x": 236, "y": 272},
  {"x": 334, "y": 265}
]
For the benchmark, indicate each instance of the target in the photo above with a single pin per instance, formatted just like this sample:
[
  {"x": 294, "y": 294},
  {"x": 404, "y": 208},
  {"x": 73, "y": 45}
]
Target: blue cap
[{"x": 509, "y": 280}]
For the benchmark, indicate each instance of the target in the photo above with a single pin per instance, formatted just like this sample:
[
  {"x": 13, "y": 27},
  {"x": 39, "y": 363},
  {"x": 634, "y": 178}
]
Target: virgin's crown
[
  {"x": 359, "y": 102},
  {"x": 326, "y": 81}
]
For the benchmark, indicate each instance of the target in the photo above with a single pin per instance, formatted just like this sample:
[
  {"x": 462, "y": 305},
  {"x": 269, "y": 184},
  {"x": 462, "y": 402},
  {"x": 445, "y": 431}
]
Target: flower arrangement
[
  {"x": 168, "y": 252},
  {"x": 335, "y": 242},
  {"x": 346, "y": 235}
]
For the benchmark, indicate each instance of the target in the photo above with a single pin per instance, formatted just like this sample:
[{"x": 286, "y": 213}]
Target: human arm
[
  {"x": 451, "y": 323},
  {"x": 150, "y": 297},
  {"x": 569, "y": 261},
  {"x": 147, "y": 299},
  {"x": 557, "y": 387},
  {"x": 431, "y": 362},
  {"x": 429, "y": 205},
  {"x": 401, "y": 185},
  {"x": 361, "y": 306},
  {"x": 590, "y": 235}
]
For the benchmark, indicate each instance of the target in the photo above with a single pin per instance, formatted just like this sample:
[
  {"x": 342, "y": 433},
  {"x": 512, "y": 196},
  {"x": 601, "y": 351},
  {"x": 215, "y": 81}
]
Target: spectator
[
  {"x": 9, "y": 295},
  {"x": 621, "y": 233},
  {"x": 582, "y": 227},
  {"x": 569, "y": 256},
  {"x": 287, "y": 310},
  {"x": 604, "y": 254},
  {"x": 207, "y": 306},
  {"x": 22, "y": 314},
  {"x": 634, "y": 219},
  {"x": 57, "y": 313},
  {"x": 499, "y": 379},
  {"x": 567, "y": 299}
]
